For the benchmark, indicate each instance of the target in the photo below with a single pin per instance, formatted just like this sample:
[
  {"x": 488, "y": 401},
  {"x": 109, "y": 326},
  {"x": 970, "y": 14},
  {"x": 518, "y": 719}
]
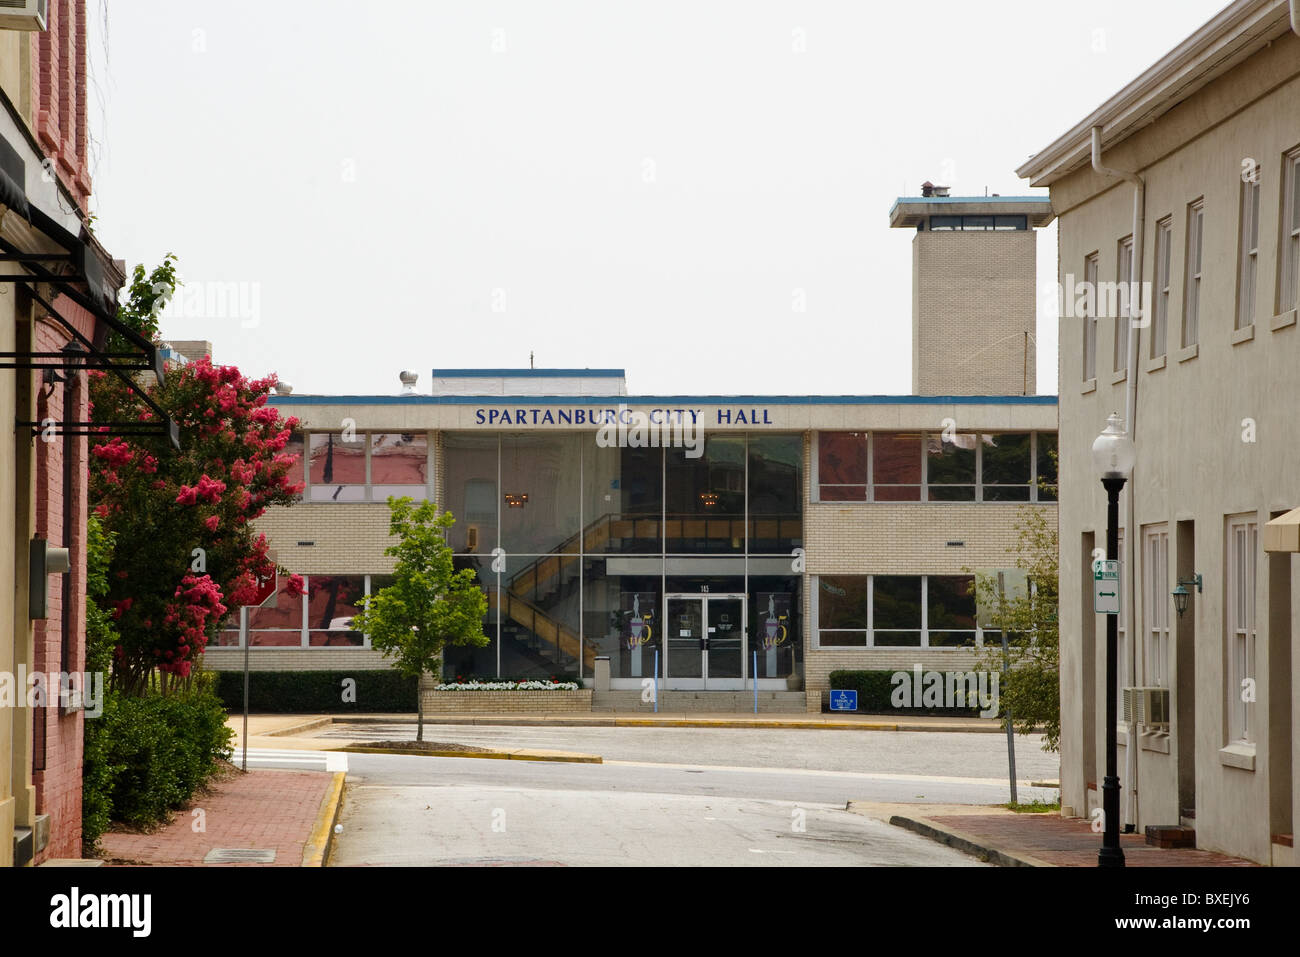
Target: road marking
[
  {"x": 286, "y": 758},
  {"x": 874, "y": 775}
]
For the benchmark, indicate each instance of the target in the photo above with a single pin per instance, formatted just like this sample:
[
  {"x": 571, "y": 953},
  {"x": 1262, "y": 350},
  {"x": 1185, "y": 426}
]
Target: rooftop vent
[
  {"x": 408, "y": 381},
  {"x": 283, "y": 388}
]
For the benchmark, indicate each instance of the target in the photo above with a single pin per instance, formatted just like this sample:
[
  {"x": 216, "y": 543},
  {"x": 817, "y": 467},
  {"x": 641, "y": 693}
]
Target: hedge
[
  {"x": 874, "y": 689},
  {"x": 146, "y": 756},
  {"x": 318, "y": 692}
]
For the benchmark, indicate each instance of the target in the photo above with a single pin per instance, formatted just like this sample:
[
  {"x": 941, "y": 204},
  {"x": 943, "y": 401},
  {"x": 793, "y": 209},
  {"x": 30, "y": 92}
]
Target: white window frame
[
  {"x": 1240, "y": 582},
  {"x": 1155, "y": 604},
  {"x": 1122, "y": 672},
  {"x": 1164, "y": 247},
  {"x": 1091, "y": 275},
  {"x": 1192, "y": 270},
  {"x": 1248, "y": 265},
  {"x": 1124, "y": 275},
  {"x": 1289, "y": 247}
]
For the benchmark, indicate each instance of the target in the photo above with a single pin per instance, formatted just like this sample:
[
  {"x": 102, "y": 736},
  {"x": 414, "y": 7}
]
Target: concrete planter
[{"x": 506, "y": 702}]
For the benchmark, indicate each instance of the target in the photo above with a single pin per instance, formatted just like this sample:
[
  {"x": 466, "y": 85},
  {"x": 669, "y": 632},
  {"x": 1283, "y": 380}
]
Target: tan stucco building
[{"x": 1192, "y": 172}]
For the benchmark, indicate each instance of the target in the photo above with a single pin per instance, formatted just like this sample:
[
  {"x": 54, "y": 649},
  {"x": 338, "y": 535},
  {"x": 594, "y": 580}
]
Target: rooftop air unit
[{"x": 23, "y": 14}]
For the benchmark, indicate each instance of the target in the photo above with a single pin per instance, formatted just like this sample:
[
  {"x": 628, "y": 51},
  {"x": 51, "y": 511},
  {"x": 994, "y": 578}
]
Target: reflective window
[
  {"x": 950, "y": 465},
  {"x": 896, "y": 610},
  {"x": 467, "y": 661},
  {"x": 621, "y": 617},
  {"x": 540, "y": 494},
  {"x": 469, "y": 464},
  {"x": 338, "y": 467},
  {"x": 950, "y": 611},
  {"x": 623, "y": 499},
  {"x": 775, "y": 629},
  {"x": 842, "y": 466},
  {"x": 896, "y": 466},
  {"x": 1047, "y": 464},
  {"x": 1007, "y": 468},
  {"x": 843, "y": 610},
  {"x": 775, "y": 493},
  {"x": 332, "y": 601},
  {"x": 705, "y": 497},
  {"x": 296, "y": 447},
  {"x": 399, "y": 465}
]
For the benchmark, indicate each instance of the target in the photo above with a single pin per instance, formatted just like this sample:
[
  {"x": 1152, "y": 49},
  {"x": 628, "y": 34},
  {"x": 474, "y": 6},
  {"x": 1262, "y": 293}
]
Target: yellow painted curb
[
  {"x": 571, "y": 757},
  {"x": 316, "y": 850},
  {"x": 723, "y": 723}
]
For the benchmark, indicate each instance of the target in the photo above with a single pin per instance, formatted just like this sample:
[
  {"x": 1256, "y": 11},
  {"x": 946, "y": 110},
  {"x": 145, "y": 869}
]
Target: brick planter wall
[{"x": 506, "y": 702}]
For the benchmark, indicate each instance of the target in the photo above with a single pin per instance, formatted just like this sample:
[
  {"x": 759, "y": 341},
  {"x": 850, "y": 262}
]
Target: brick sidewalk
[
  {"x": 1067, "y": 842},
  {"x": 263, "y": 809}
]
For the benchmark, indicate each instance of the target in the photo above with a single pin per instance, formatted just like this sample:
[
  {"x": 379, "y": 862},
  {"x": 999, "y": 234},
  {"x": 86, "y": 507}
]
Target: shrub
[
  {"x": 874, "y": 689},
  {"x": 317, "y": 692},
  {"x": 146, "y": 756}
]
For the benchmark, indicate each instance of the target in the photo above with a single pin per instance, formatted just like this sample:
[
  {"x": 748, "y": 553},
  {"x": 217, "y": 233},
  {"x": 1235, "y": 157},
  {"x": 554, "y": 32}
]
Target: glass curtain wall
[{"x": 591, "y": 536}]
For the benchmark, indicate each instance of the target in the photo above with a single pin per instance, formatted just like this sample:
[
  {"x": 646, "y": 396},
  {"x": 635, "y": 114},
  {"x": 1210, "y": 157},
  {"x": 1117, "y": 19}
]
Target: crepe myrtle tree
[
  {"x": 430, "y": 604},
  {"x": 186, "y": 552}
]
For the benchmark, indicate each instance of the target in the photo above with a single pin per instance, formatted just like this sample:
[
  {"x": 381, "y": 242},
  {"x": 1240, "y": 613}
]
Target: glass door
[
  {"x": 705, "y": 643},
  {"x": 685, "y": 641},
  {"x": 724, "y": 652}
]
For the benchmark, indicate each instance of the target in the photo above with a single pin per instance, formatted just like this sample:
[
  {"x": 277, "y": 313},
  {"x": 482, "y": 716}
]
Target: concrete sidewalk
[
  {"x": 1003, "y": 837},
  {"x": 291, "y": 813},
  {"x": 263, "y": 726}
]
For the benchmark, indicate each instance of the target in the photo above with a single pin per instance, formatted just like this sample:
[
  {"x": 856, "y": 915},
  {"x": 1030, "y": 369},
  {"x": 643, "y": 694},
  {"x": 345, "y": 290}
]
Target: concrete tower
[{"x": 973, "y": 290}]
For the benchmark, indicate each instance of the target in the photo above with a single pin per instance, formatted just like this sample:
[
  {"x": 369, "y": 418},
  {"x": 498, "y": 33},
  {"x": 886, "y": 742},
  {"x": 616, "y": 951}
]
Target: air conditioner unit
[
  {"x": 23, "y": 14},
  {"x": 1148, "y": 707},
  {"x": 1155, "y": 708},
  {"x": 1130, "y": 706}
]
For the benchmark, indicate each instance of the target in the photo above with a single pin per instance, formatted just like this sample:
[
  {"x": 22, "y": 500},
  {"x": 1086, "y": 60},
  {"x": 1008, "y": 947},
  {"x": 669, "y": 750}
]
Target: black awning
[
  {"x": 12, "y": 171},
  {"x": 79, "y": 274}
]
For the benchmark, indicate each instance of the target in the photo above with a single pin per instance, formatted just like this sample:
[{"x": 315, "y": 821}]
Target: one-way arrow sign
[{"x": 1105, "y": 587}]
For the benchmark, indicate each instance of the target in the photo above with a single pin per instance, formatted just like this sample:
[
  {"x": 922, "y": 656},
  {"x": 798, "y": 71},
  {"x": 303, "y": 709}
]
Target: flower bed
[
  {"x": 507, "y": 686},
  {"x": 505, "y": 697}
]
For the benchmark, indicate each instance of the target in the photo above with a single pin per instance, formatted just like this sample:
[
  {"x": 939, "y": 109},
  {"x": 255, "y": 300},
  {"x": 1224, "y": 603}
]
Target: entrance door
[{"x": 706, "y": 640}]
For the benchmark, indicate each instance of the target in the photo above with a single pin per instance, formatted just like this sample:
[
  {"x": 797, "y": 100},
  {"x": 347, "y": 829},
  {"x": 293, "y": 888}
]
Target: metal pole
[
  {"x": 754, "y": 679},
  {"x": 656, "y": 681},
  {"x": 1011, "y": 733},
  {"x": 243, "y": 638},
  {"x": 1111, "y": 854}
]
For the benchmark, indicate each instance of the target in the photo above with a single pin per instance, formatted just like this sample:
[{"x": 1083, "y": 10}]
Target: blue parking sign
[{"x": 844, "y": 700}]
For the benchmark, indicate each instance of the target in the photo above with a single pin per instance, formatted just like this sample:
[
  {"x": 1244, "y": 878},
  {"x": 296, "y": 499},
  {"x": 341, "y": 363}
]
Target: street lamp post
[{"x": 1113, "y": 454}]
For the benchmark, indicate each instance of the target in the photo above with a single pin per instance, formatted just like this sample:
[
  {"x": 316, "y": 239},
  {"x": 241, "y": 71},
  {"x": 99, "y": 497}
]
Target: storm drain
[{"x": 239, "y": 855}]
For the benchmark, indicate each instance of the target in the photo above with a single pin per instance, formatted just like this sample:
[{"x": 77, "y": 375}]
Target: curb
[
  {"x": 520, "y": 755},
  {"x": 968, "y": 844},
  {"x": 316, "y": 851},
  {"x": 297, "y": 728},
  {"x": 649, "y": 721}
]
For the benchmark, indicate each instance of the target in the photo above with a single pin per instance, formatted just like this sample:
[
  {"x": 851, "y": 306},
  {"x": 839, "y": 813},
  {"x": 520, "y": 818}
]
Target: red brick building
[{"x": 58, "y": 303}]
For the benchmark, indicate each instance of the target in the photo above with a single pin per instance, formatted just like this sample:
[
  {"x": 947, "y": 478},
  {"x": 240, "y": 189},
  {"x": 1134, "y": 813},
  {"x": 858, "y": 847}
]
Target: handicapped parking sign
[{"x": 844, "y": 701}]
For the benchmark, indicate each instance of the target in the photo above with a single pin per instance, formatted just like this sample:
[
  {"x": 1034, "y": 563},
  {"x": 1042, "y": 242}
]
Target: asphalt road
[
  {"x": 957, "y": 755},
  {"x": 403, "y": 810}
]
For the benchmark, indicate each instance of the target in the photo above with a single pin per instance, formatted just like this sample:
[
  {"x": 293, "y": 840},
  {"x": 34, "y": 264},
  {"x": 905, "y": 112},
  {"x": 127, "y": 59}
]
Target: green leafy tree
[
  {"x": 1031, "y": 689},
  {"x": 430, "y": 604}
]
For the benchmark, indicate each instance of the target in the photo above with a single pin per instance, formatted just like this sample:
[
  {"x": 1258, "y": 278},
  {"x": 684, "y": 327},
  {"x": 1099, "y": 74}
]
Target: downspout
[
  {"x": 1139, "y": 313},
  {"x": 1295, "y": 17}
]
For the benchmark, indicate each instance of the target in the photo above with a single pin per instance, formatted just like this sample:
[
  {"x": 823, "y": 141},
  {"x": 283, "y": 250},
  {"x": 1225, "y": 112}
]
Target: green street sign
[{"x": 1105, "y": 587}]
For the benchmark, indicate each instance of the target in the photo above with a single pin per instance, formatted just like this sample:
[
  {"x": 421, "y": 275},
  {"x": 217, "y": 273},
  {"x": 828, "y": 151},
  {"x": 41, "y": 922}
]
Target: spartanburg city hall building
[{"x": 739, "y": 541}]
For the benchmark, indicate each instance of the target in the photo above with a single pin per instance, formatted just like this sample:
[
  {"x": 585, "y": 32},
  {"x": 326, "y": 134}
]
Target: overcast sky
[{"x": 656, "y": 186}]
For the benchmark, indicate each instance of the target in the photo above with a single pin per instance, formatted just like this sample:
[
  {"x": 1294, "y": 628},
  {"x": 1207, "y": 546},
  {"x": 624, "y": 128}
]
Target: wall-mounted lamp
[
  {"x": 516, "y": 499},
  {"x": 1181, "y": 593}
]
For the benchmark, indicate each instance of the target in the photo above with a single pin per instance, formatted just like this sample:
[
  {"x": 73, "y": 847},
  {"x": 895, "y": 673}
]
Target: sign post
[
  {"x": 1105, "y": 587},
  {"x": 266, "y": 592}
]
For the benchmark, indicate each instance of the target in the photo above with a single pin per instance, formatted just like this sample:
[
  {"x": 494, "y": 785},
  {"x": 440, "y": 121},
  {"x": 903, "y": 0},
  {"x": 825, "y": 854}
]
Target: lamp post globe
[{"x": 1113, "y": 453}]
